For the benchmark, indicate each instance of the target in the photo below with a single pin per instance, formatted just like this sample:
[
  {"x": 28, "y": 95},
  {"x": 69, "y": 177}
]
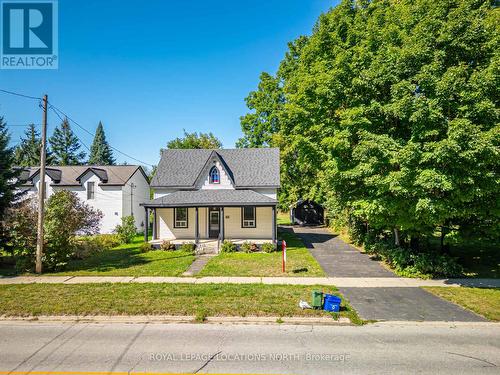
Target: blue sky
[{"x": 150, "y": 69}]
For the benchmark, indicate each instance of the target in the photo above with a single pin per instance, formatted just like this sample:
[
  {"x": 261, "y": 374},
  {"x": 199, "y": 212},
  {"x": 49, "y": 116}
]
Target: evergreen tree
[
  {"x": 66, "y": 146},
  {"x": 100, "y": 151},
  {"x": 28, "y": 152},
  {"x": 8, "y": 175}
]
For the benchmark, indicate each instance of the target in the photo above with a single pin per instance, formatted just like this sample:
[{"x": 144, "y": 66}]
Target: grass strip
[
  {"x": 162, "y": 299},
  {"x": 483, "y": 301}
]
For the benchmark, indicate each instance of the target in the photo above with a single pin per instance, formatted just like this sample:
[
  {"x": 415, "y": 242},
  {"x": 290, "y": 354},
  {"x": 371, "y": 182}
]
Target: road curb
[{"x": 167, "y": 319}]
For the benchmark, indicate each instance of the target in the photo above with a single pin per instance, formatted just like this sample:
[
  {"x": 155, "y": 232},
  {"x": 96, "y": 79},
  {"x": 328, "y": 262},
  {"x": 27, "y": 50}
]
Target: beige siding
[
  {"x": 233, "y": 229},
  {"x": 165, "y": 223}
]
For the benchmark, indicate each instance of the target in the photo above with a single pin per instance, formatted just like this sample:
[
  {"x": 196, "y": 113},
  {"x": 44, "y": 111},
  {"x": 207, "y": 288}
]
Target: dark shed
[{"x": 306, "y": 212}]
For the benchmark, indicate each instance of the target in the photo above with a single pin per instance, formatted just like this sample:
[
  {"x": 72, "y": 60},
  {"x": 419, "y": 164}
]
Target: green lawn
[
  {"x": 300, "y": 262},
  {"x": 161, "y": 299},
  {"x": 127, "y": 260},
  {"x": 283, "y": 218},
  {"x": 483, "y": 301}
]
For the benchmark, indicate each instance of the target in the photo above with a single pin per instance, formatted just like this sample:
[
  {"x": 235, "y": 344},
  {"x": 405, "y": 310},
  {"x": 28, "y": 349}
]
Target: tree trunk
[
  {"x": 445, "y": 249},
  {"x": 397, "y": 240}
]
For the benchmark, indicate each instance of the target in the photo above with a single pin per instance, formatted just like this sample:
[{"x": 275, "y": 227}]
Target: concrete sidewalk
[{"x": 341, "y": 282}]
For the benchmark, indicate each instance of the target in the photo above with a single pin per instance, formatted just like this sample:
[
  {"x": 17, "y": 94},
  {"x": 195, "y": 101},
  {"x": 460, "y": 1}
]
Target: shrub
[
  {"x": 108, "y": 241},
  {"x": 127, "y": 230},
  {"x": 188, "y": 247},
  {"x": 87, "y": 246},
  {"x": 66, "y": 215},
  {"x": 145, "y": 247},
  {"x": 409, "y": 264},
  {"x": 167, "y": 245},
  {"x": 227, "y": 247},
  {"x": 247, "y": 247},
  {"x": 21, "y": 231},
  {"x": 268, "y": 247}
]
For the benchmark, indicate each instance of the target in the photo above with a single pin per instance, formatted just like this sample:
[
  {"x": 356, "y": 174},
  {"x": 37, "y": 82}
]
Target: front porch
[{"x": 209, "y": 217}]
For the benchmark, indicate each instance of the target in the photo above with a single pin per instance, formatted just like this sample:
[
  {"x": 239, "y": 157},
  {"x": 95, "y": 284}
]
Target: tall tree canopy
[
  {"x": 27, "y": 153},
  {"x": 65, "y": 146},
  {"x": 100, "y": 151},
  {"x": 8, "y": 175},
  {"x": 195, "y": 140},
  {"x": 389, "y": 114}
]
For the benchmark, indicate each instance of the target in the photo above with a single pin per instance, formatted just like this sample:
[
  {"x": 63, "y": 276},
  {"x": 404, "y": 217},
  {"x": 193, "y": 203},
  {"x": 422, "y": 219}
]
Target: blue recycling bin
[{"x": 332, "y": 303}]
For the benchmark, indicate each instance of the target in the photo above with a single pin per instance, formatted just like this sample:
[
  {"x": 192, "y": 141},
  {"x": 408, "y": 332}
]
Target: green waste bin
[{"x": 317, "y": 299}]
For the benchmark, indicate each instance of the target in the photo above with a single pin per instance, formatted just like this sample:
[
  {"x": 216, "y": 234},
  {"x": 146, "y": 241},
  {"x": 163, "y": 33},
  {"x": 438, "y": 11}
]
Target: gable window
[
  {"x": 180, "y": 217},
  {"x": 214, "y": 175},
  {"x": 90, "y": 190},
  {"x": 248, "y": 217}
]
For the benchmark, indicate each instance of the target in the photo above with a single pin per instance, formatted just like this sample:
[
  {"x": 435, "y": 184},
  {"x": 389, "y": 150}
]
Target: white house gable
[{"x": 207, "y": 179}]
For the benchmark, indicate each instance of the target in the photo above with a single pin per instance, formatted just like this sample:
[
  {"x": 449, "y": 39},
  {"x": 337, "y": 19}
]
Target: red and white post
[{"x": 283, "y": 255}]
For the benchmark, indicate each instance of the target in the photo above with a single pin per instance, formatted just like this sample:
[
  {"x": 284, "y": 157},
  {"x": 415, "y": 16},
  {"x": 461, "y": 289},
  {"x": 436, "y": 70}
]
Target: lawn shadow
[
  {"x": 116, "y": 259},
  {"x": 301, "y": 270}
]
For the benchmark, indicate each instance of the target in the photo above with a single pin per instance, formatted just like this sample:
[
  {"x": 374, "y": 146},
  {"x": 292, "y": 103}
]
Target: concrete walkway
[
  {"x": 341, "y": 282},
  {"x": 377, "y": 293},
  {"x": 199, "y": 263}
]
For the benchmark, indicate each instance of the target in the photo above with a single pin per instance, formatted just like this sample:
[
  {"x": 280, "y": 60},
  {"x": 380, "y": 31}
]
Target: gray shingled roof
[
  {"x": 67, "y": 175},
  {"x": 248, "y": 167},
  {"x": 212, "y": 197}
]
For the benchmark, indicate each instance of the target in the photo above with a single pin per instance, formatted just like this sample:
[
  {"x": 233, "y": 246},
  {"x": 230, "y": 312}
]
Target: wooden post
[
  {"x": 41, "y": 190},
  {"x": 146, "y": 225},
  {"x": 196, "y": 226},
  {"x": 155, "y": 234},
  {"x": 222, "y": 223},
  {"x": 274, "y": 224}
]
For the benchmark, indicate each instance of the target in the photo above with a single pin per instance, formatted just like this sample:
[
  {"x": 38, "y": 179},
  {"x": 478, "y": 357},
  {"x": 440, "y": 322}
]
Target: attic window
[{"x": 214, "y": 176}]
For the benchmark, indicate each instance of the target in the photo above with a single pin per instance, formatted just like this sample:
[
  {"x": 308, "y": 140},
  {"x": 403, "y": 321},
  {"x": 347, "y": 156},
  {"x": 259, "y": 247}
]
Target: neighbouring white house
[
  {"x": 116, "y": 190},
  {"x": 207, "y": 196}
]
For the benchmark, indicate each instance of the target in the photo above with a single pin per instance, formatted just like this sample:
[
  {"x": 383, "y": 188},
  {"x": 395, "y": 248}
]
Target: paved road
[
  {"x": 339, "y": 259},
  {"x": 187, "y": 348}
]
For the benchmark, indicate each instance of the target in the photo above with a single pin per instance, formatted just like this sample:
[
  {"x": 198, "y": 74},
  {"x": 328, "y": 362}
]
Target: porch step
[
  {"x": 198, "y": 264},
  {"x": 207, "y": 248}
]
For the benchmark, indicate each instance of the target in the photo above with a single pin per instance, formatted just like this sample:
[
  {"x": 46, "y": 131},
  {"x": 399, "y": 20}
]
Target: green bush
[
  {"x": 86, "y": 246},
  {"x": 167, "y": 246},
  {"x": 188, "y": 247},
  {"x": 227, "y": 247},
  {"x": 268, "y": 247},
  {"x": 127, "y": 230},
  {"x": 246, "y": 247},
  {"x": 108, "y": 241},
  {"x": 409, "y": 264},
  {"x": 65, "y": 216},
  {"x": 145, "y": 247}
]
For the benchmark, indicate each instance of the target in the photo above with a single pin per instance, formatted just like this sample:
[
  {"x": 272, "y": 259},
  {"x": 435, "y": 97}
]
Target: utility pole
[{"x": 41, "y": 190}]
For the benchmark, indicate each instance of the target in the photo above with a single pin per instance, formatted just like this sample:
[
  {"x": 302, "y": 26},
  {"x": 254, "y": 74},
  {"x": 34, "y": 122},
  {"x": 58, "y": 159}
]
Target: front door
[{"x": 213, "y": 222}]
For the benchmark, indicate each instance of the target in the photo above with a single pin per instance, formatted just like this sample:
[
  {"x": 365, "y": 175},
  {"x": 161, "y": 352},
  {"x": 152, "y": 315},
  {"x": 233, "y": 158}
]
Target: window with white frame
[
  {"x": 248, "y": 217},
  {"x": 214, "y": 175},
  {"x": 180, "y": 217},
  {"x": 90, "y": 190}
]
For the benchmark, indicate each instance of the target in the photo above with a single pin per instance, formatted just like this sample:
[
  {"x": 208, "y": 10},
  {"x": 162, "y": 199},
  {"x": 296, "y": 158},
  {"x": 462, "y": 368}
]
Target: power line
[
  {"x": 55, "y": 109},
  {"x": 89, "y": 150},
  {"x": 20, "y": 95}
]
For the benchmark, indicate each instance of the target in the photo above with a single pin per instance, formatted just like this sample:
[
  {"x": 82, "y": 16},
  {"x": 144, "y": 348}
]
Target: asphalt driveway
[{"x": 339, "y": 259}]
